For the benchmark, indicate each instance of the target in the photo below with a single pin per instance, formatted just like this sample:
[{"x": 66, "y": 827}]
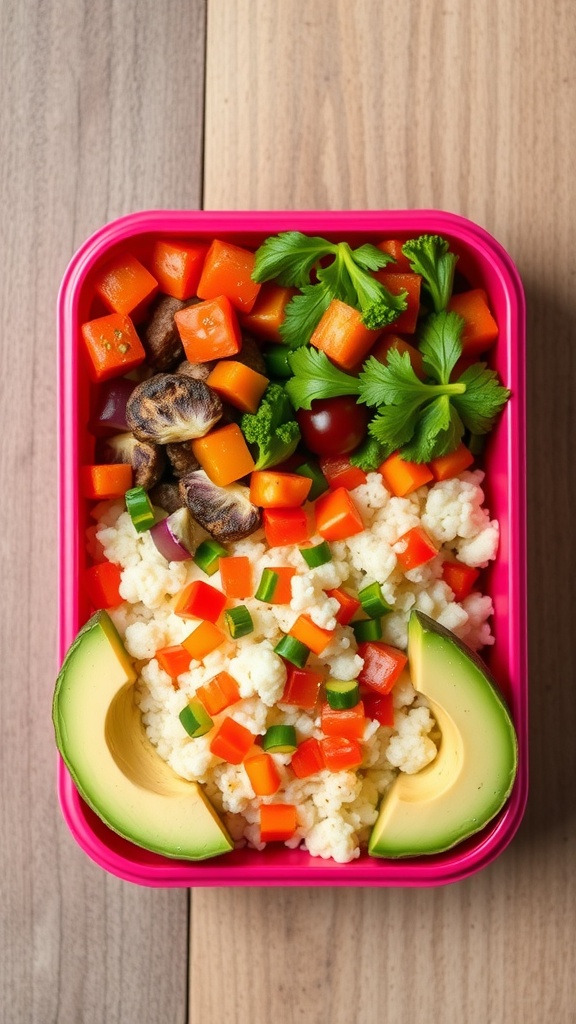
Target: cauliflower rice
[{"x": 336, "y": 810}]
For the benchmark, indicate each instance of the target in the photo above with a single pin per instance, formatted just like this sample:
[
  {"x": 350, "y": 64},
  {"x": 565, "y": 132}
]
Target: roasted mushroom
[
  {"x": 167, "y": 495},
  {"x": 225, "y": 512},
  {"x": 250, "y": 354},
  {"x": 172, "y": 407},
  {"x": 160, "y": 337},
  {"x": 199, "y": 371},
  {"x": 182, "y": 458},
  {"x": 147, "y": 460}
]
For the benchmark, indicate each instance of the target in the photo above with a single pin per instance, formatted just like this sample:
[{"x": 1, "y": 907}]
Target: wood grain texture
[
  {"x": 470, "y": 108},
  {"x": 101, "y": 114}
]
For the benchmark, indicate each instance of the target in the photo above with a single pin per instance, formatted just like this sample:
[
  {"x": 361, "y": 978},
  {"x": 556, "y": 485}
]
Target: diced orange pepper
[
  {"x": 418, "y": 548},
  {"x": 224, "y": 454},
  {"x": 218, "y": 693},
  {"x": 174, "y": 660},
  {"x": 460, "y": 578},
  {"x": 231, "y": 741},
  {"x": 106, "y": 481},
  {"x": 347, "y": 722},
  {"x": 278, "y": 822},
  {"x": 283, "y": 590},
  {"x": 337, "y": 516},
  {"x": 177, "y": 266},
  {"x": 302, "y": 687},
  {"x": 480, "y": 328},
  {"x": 396, "y": 284},
  {"x": 112, "y": 346},
  {"x": 402, "y": 477},
  {"x": 341, "y": 754},
  {"x": 348, "y": 605},
  {"x": 342, "y": 336},
  {"x": 270, "y": 489},
  {"x": 238, "y": 384},
  {"x": 311, "y": 635},
  {"x": 203, "y": 640},
  {"x": 102, "y": 582},
  {"x": 263, "y": 774},
  {"x": 284, "y": 526},
  {"x": 307, "y": 759},
  {"x": 392, "y": 341},
  {"x": 236, "y": 576},
  {"x": 209, "y": 330},
  {"x": 268, "y": 312},
  {"x": 446, "y": 466},
  {"x": 382, "y": 667},
  {"x": 228, "y": 271},
  {"x": 125, "y": 286},
  {"x": 199, "y": 600}
]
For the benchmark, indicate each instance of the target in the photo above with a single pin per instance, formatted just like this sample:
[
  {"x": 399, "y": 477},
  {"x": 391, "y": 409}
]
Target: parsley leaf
[
  {"x": 439, "y": 430},
  {"x": 429, "y": 256},
  {"x": 316, "y": 377},
  {"x": 394, "y": 425},
  {"x": 370, "y": 257},
  {"x": 441, "y": 344},
  {"x": 303, "y": 313},
  {"x": 290, "y": 258},
  {"x": 482, "y": 400},
  {"x": 390, "y": 383}
]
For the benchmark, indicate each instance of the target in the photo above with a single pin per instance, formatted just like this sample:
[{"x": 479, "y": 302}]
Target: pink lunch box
[{"x": 484, "y": 263}]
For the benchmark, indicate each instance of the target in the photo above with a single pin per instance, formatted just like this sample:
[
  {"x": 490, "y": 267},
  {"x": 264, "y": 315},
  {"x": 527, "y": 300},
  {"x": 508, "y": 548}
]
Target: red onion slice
[
  {"x": 174, "y": 536},
  {"x": 109, "y": 416}
]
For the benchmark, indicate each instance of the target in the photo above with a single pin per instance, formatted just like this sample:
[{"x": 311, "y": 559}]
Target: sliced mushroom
[
  {"x": 172, "y": 407},
  {"x": 181, "y": 458},
  {"x": 225, "y": 512},
  {"x": 167, "y": 495},
  {"x": 160, "y": 337},
  {"x": 147, "y": 460}
]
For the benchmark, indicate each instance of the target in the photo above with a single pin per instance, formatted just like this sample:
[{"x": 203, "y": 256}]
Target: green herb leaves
[
  {"x": 291, "y": 258},
  {"x": 316, "y": 377},
  {"x": 429, "y": 255}
]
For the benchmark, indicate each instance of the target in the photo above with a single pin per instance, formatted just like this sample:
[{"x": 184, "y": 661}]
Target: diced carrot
[
  {"x": 283, "y": 590},
  {"x": 218, "y": 693},
  {"x": 393, "y": 341},
  {"x": 236, "y": 576},
  {"x": 102, "y": 582},
  {"x": 349, "y": 722},
  {"x": 380, "y": 706},
  {"x": 393, "y": 246},
  {"x": 112, "y": 346},
  {"x": 231, "y": 741},
  {"x": 174, "y": 660},
  {"x": 238, "y": 384},
  {"x": 348, "y": 605},
  {"x": 396, "y": 284},
  {"x": 337, "y": 516},
  {"x": 340, "y": 472},
  {"x": 268, "y": 312},
  {"x": 342, "y": 336},
  {"x": 418, "y": 548},
  {"x": 284, "y": 526},
  {"x": 302, "y": 687},
  {"x": 228, "y": 271},
  {"x": 209, "y": 330},
  {"x": 460, "y": 578},
  {"x": 341, "y": 754},
  {"x": 402, "y": 477},
  {"x": 203, "y": 640},
  {"x": 224, "y": 454},
  {"x": 311, "y": 635},
  {"x": 199, "y": 600},
  {"x": 307, "y": 759},
  {"x": 446, "y": 466},
  {"x": 177, "y": 266},
  {"x": 480, "y": 328},
  {"x": 106, "y": 481},
  {"x": 125, "y": 286},
  {"x": 263, "y": 774},
  {"x": 278, "y": 822},
  {"x": 270, "y": 489},
  {"x": 382, "y": 667}
]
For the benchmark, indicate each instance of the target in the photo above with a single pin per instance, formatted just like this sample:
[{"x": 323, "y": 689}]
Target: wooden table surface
[{"x": 111, "y": 106}]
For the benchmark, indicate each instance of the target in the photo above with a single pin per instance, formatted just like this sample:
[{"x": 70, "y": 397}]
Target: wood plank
[
  {"x": 467, "y": 107},
  {"x": 101, "y": 114}
]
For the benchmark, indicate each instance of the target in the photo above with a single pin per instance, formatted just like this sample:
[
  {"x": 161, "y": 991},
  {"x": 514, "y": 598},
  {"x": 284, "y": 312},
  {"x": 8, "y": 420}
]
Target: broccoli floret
[{"x": 272, "y": 428}]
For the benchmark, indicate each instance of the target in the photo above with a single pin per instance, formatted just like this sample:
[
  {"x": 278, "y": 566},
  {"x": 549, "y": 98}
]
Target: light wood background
[{"x": 107, "y": 106}]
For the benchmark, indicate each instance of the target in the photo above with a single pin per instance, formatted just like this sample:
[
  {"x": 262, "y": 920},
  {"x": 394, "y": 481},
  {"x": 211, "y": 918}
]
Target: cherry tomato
[{"x": 333, "y": 426}]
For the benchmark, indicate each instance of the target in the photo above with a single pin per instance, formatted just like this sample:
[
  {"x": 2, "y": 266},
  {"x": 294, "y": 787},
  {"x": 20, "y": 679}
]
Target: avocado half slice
[
  {"x": 472, "y": 775},
  {"x": 117, "y": 771}
]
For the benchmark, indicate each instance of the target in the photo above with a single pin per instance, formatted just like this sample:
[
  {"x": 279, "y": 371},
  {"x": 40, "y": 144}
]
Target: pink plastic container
[{"x": 485, "y": 263}]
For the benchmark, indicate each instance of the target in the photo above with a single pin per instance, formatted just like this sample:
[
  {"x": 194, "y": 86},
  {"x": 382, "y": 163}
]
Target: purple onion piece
[
  {"x": 109, "y": 416},
  {"x": 174, "y": 536}
]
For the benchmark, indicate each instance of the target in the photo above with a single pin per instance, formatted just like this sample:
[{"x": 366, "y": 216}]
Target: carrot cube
[
  {"x": 268, "y": 312},
  {"x": 402, "y": 477},
  {"x": 231, "y": 741},
  {"x": 238, "y": 384},
  {"x": 174, "y": 660},
  {"x": 112, "y": 346},
  {"x": 480, "y": 328},
  {"x": 337, "y": 516},
  {"x": 342, "y": 336},
  {"x": 307, "y": 759},
  {"x": 228, "y": 271},
  {"x": 396, "y": 284},
  {"x": 311, "y": 635},
  {"x": 277, "y": 822},
  {"x": 418, "y": 548},
  {"x": 236, "y": 576},
  {"x": 106, "y": 481},
  {"x": 224, "y": 454},
  {"x": 209, "y": 330},
  {"x": 446, "y": 466},
  {"x": 125, "y": 286},
  {"x": 177, "y": 266}
]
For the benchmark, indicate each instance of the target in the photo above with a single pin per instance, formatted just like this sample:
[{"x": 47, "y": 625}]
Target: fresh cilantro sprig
[
  {"x": 426, "y": 419},
  {"x": 291, "y": 258},
  {"x": 316, "y": 377},
  {"x": 429, "y": 256}
]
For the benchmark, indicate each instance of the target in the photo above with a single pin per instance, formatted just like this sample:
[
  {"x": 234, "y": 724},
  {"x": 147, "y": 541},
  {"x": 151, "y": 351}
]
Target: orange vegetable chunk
[
  {"x": 285, "y": 526},
  {"x": 227, "y": 271},
  {"x": 271, "y": 489},
  {"x": 393, "y": 246},
  {"x": 177, "y": 266},
  {"x": 125, "y": 286},
  {"x": 268, "y": 312},
  {"x": 174, "y": 660},
  {"x": 342, "y": 336},
  {"x": 341, "y": 754},
  {"x": 106, "y": 481},
  {"x": 224, "y": 454},
  {"x": 446, "y": 466},
  {"x": 460, "y": 578},
  {"x": 209, "y": 330},
  {"x": 263, "y": 774},
  {"x": 337, "y": 516},
  {"x": 347, "y": 722},
  {"x": 307, "y": 759},
  {"x": 238, "y": 384},
  {"x": 236, "y": 576},
  {"x": 112, "y": 346},
  {"x": 402, "y": 477},
  {"x": 394, "y": 341},
  {"x": 418, "y": 548},
  {"x": 302, "y": 687},
  {"x": 203, "y": 640},
  {"x": 311, "y": 635},
  {"x": 283, "y": 591},
  {"x": 231, "y": 741},
  {"x": 396, "y": 284},
  {"x": 277, "y": 822},
  {"x": 218, "y": 693},
  {"x": 480, "y": 328},
  {"x": 102, "y": 582},
  {"x": 199, "y": 600}
]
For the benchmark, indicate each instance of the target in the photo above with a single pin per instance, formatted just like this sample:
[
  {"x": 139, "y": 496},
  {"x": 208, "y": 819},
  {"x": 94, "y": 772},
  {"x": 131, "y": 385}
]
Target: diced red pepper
[
  {"x": 231, "y": 741},
  {"x": 380, "y": 706},
  {"x": 340, "y": 753},
  {"x": 418, "y": 548},
  {"x": 284, "y": 526},
  {"x": 348, "y": 605},
  {"x": 307, "y": 759},
  {"x": 218, "y": 693},
  {"x": 174, "y": 660},
  {"x": 382, "y": 667},
  {"x": 340, "y": 472},
  {"x": 283, "y": 590},
  {"x": 460, "y": 578},
  {"x": 199, "y": 600},
  {"x": 347, "y": 722},
  {"x": 302, "y": 687},
  {"x": 102, "y": 582}
]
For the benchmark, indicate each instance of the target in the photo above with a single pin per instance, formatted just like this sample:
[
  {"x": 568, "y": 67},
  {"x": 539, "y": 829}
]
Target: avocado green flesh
[
  {"x": 469, "y": 780},
  {"x": 117, "y": 771}
]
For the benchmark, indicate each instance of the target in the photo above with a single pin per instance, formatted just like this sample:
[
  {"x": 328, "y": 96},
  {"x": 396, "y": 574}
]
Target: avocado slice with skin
[
  {"x": 472, "y": 775},
  {"x": 117, "y": 771}
]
